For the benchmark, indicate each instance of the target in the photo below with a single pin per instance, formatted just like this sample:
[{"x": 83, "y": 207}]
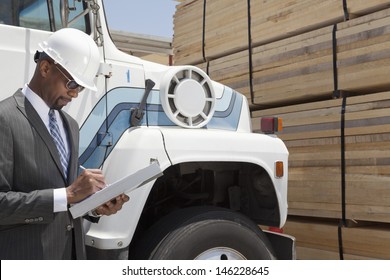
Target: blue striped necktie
[{"x": 55, "y": 133}]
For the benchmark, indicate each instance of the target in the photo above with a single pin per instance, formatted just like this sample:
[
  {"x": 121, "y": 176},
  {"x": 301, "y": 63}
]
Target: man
[{"x": 39, "y": 155}]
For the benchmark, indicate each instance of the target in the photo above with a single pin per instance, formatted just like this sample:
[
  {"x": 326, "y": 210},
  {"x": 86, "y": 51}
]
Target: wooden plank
[
  {"x": 313, "y": 233},
  {"x": 318, "y": 239},
  {"x": 363, "y": 56},
  {"x": 362, "y": 7},
  {"x": 315, "y": 191},
  {"x": 188, "y": 27},
  {"x": 305, "y": 253},
  {"x": 275, "y": 20},
  {"x": 297, "y": 108},
  {"x": 315, "y": 209},
  {"x": 368, "y": 213},
  {"x": 370, "y": 241},
  {"x": 232, "y": 35}
]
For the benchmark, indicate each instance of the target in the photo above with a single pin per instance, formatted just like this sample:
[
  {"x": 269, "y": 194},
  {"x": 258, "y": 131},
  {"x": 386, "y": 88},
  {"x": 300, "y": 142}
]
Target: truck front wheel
[{"x": 204, "y": 233}]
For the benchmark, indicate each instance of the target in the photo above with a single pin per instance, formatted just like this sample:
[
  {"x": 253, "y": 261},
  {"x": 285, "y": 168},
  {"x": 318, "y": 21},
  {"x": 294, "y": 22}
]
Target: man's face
[{"x": 56, "y": 92}]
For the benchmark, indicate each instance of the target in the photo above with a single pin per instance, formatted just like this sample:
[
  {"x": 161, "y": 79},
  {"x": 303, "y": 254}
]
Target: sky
[{"x": 148, "y": 17}]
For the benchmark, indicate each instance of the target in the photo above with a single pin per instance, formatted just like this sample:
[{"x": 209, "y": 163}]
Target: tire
[{"x": 204, "y": 233}]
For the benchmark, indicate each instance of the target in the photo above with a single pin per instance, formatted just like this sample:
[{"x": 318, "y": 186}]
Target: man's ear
[{"x": 44, "y": 67}]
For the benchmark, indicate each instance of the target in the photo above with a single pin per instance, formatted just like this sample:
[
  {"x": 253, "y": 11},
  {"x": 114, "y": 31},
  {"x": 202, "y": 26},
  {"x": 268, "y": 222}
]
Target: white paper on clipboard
[{"x": 124, "y": 185}]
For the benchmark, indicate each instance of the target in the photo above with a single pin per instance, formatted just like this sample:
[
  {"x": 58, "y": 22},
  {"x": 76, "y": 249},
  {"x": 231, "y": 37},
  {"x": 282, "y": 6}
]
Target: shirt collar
[{"x": 39, "y": 105}]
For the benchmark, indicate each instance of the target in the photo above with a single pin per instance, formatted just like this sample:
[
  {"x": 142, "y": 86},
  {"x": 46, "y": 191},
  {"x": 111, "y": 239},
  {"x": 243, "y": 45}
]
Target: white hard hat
[{"x": 76, "y": 52}]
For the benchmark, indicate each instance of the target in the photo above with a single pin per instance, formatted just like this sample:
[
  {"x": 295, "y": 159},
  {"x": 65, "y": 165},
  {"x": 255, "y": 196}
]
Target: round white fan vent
[{"x": 187, "y": 96}]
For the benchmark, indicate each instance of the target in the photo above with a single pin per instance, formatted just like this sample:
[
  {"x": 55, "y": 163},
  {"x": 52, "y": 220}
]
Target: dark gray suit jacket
[{"x": 30, "y": 169}]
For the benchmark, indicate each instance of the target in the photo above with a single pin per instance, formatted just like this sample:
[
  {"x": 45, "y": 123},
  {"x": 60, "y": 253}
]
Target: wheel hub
[{"x": 220, "y": 253}]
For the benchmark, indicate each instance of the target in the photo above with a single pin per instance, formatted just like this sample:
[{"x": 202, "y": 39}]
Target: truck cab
[{"x": 222, "y": 184}]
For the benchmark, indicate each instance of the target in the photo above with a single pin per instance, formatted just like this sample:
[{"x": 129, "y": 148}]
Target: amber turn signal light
[{"x": 279, "y": 169}]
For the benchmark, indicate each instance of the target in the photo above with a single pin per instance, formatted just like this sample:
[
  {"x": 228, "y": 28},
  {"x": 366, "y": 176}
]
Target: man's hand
[
  {"x": 89, "y": 182},
  {"x": 112, "y": 206}
]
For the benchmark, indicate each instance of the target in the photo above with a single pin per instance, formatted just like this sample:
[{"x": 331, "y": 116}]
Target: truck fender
[
  {"x": 197, "y": 145},
  {"x": 136, "y": 149}
]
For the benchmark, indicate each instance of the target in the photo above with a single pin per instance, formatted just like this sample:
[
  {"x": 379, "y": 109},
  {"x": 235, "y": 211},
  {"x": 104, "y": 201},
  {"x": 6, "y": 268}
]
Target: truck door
[{"x": 24, "y": 24}]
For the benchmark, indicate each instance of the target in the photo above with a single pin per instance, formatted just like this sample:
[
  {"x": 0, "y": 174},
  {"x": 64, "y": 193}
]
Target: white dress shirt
[{"x": 60, "y": 201}]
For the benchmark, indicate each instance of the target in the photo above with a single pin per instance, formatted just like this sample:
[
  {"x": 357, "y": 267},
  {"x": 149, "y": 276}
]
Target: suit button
[{"x": 69, "y": 227}]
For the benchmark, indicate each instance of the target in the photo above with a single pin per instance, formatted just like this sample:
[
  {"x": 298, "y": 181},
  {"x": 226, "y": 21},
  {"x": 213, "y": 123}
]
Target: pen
[{"x": 83, "y": 168}]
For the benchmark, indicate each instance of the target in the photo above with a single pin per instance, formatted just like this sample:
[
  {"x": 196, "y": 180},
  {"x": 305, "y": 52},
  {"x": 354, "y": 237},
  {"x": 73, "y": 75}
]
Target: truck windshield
[{"x": 38, "y": 14}]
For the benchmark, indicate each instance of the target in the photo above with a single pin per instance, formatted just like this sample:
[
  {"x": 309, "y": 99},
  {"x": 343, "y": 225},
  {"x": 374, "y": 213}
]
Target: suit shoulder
[
  {"x": 9, "y": 101},
  {"x": 7, "y": 106}
]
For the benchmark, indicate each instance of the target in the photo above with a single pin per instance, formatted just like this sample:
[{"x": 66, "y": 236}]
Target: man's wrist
[{"x": 94, "y": 214}]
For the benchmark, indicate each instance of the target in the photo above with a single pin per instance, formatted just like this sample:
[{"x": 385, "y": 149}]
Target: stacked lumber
[
  {"x": 298, "y": 68},
  {"x": 372, "y": 241},
  {"x": 315, "y": 139},
  {"x": 367, "y": 150},
  {"x": 231, "y": 70},
  {"x": 205, "y": 30},
  {"x": 225, "y": 24},
  {"x": 290, "y": 70},
  {"x": 363, "y": 54},
  {"x": 315, "y": 239},
  {"x": 319, "y": 240},
  {"x": 294, "y": 70},
  {"x": 188, "y": 31},
  {"x": 313, "y": 135}
]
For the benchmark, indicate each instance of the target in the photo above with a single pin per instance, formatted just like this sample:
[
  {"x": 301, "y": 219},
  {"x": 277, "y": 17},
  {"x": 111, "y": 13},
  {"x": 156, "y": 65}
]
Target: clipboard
[{"x": 124, "y": 185}]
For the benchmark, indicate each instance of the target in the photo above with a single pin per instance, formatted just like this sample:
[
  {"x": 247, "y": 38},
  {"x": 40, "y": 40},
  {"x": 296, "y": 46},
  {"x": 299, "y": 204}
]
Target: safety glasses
[{"x": 71, "y": 84}]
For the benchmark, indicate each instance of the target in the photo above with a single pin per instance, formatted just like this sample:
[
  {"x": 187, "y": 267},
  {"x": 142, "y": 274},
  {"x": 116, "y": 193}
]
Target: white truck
[{"x": 221, "y": 180}]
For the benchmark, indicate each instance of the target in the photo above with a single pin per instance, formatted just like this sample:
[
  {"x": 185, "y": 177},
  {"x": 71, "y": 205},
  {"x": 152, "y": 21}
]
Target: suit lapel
[{"x": 32, "y": 116}]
